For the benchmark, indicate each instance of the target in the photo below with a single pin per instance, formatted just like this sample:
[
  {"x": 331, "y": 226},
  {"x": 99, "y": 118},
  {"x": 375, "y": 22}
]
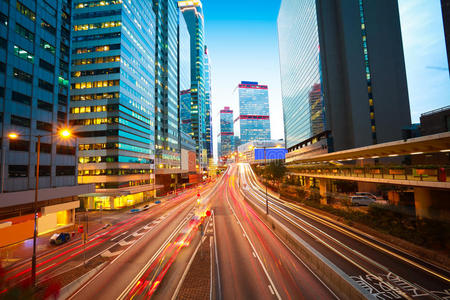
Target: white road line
[
  {"x": 254, "y": 254},
  {"x": 216, "y": 254},
  {"x": 119, "y": 236},
  {"x": 158, "y": 252},
  {"x": 124, "y": 243},
  {"x": 254, "y": 250},
  {"x": 108, "y": 253},
  {"x": 271, "y": 290}
]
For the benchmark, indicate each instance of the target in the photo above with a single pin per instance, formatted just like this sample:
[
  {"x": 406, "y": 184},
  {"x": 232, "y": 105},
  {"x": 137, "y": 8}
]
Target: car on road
[
  {"x": 361, "y": 200},
  {"x": 59, "y": 238},
  {"x": 134, "y": 210},
  {"x": 157, "y": 201},
  {"x": 146, "y": 206}
]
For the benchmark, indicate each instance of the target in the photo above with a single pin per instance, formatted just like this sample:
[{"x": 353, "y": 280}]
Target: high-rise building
[
  {"x": 253, "y": 122},
  {"x": 34, "y": 91},
  {"x": 184, "y": 77},
  {"x": 342, "y": 72},
  {"x": 193, "y": 14},
  {"x": 208, "y": 104},
  {"x": 113, "y": 99},
  {"x": 445, "y": 5},
  {"x": 226, "y": 135},
  {"x": 166, "y": 88}
]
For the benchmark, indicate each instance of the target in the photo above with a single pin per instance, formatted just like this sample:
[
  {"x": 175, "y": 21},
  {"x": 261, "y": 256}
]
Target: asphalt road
[
  {"x": 385, "y": 270},
  {"x": 252, "y": 262}
]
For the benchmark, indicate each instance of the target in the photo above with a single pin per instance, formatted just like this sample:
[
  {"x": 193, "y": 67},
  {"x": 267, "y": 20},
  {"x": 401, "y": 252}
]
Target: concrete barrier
[
  {"x": 71, "y": 288},
  {"x": 338, "y": 281}
]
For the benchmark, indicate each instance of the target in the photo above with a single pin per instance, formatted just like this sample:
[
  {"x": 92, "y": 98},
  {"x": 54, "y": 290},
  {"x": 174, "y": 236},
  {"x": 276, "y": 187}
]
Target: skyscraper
[
  {"x": 226, "y": 131},
  {"x": 184, "y": 77},
  {"x": 113, "y": 99},
  {"x": 208, "y": 104},
  {"x": 253, "y": 121},
  {"x": 166, "y": 87},
  {"x": 193, "y": 14},
  {"x": 445, "y": 5},
  {"x": 34, "y": 91},
  {"x": 342, "y": 72}
]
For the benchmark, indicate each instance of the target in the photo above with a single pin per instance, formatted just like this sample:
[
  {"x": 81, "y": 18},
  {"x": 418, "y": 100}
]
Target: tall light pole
[{"x": 65, "y": 134}]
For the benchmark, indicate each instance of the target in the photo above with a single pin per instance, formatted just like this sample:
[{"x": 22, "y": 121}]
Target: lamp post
[
  {"x": 64, "y": 134},
  {"x": 265, "y": 166}
]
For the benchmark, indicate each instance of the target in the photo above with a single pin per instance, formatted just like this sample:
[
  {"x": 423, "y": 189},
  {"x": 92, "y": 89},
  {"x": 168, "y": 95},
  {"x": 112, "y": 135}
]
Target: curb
[
  {"x": 69, "y": 289},
  {"x": 338, "y": 281}
]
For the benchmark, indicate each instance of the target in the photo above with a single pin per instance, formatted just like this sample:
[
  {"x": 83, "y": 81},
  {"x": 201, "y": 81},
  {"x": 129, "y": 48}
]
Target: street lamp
[
  {"x": 265, "y": 166},
  {"x": 64, "y": 133}
]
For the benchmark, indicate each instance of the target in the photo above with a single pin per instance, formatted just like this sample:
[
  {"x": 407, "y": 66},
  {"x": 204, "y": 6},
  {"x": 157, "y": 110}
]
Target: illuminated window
[
  {"x": 25, "y": 11},
  {"x": 24, "y": 54}
]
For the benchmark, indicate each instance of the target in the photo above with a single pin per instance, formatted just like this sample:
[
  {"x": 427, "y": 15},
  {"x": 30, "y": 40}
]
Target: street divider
[{"x": 332, "y": 276}]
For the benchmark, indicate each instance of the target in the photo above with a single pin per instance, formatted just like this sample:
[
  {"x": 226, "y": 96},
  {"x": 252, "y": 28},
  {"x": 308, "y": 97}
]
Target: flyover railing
[{"x": 416, "y": 173}]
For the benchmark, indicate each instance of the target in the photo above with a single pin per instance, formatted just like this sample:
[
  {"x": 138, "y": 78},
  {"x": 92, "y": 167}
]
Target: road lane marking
[
  {"x": 119, "y": 236},
  {"x": 271, "y": 290},
  {"x": 345, "y": 231},
  {"x": 108, "y": 253},
  {"x": 254, "y": 254},
  {"x": 124, "y": 243},
  {"x": 254, "y": 250}
]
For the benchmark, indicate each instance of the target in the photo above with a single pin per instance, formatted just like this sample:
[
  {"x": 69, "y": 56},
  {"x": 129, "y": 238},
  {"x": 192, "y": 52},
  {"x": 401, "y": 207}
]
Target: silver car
[{"x": 361, "y": 200}]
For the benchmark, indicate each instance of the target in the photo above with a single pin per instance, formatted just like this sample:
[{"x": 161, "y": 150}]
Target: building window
[
  {"x": 95, "y": 84},
  {"x": 48, "y": 47},
  {"x": 3, "y": 43},
  {"x": 46, "y": 85},
  {"x": 44, "y": 171},
  {"x": 96, "y": 60},
  {"x": 46, "y": 66},
  {"x": 62, "y": 116},
  {"x": 19, "y": 145},
  {"x": 26, "y": 11},
  {"x": 24, "y": 32},
  {"x": 2, "y": 67},
  {"x": 44, "y": 126},
  {"x": 97, "y": 3},
  {"x": 17, "y": 171},
  {"x": 22, "y": 75},
  {"x": 49, "y": 28},
  {"x": 24, "y": 54},
  {"x": 96, "y": 49},
  {"x": 45, "y": 106},
  {"x": 96, "y": 72},
  {"x": 3, "y": 19},
  {"x": 65, "y": 171},
  {"x": 97, "y": 26},
  {"x": 99, "y": 96},
  {"x": 45, "y": 148},
  {"x": 21, "y": 98},
  {"x": 62, "y": 99},
  {"x": 65, "y": 150},
  {"x": 20, "y": 121}
]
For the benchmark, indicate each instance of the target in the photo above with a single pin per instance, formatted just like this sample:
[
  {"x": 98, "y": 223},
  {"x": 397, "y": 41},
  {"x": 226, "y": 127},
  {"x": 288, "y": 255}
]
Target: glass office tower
[
  {"x": 193, "y": 14},
  {"x": 342, "y": 72},
  {"x": 166, "y": 87},
  {"x": 300, "y": 70},
  {"x": 35, "y": 39},
  {"x": 254, "y": 118},
  {"x": 226, "y": 131},
  {"x": 184, "y": 70},
  {"x": 112, "y": 107},
  {"x": 208, "y": 104}
]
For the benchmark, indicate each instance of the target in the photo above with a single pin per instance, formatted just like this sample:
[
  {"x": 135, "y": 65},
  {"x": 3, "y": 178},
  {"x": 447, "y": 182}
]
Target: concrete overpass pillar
[
  {"x": 307, "y": 181},
  {"x": 432, "y": 203},
  {"x": 324, "y": 188}
]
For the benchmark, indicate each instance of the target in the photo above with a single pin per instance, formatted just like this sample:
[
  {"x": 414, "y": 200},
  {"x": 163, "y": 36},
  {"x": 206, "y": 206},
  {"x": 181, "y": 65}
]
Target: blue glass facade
[
  {"x": 300, "y": 70},
  {"x": 184, "y": 69},
  {"x": 193, "y": 14},
  {"x": 208, "y": 103},
  {"x": 254, "y": 116},
  {"x": 113, "y": 92},
  {"x": 226, "y": 131},
  {"x": 166, "y": 86}
]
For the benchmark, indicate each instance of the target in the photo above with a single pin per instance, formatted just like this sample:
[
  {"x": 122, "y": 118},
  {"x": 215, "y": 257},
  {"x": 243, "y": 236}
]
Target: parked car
[
  {"x": 366, "y": 194},
  {"x": 157, "y": 201},
  {"x": 146, "y": 206},
  {"x": 134, "y": 210},
  {"x": 361, "y": 200},
  {"x": 59, "y": 238}
]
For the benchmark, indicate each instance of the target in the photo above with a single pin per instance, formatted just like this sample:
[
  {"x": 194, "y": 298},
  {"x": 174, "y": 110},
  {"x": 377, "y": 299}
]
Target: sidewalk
[{"x": 21, "y": 251}]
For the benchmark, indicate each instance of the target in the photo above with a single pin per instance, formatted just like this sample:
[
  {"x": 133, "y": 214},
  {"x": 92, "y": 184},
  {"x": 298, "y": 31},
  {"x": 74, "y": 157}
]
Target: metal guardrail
[{"x": 438, "y": 174}]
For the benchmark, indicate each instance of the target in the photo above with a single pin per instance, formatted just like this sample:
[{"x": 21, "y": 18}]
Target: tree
[{"x": 276, "y": 170}]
